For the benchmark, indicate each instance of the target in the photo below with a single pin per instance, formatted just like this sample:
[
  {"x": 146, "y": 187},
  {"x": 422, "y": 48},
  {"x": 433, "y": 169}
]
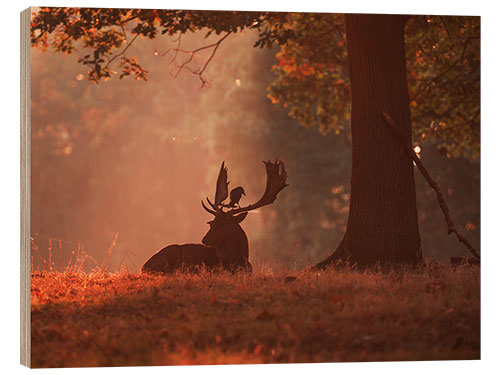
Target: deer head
[{"x": 225, "y": 233}]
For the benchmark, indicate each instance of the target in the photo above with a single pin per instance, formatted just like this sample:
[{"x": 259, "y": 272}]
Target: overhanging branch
[
  {"x": 122, "y": 52},
  {"x": 399, "y": 134},
  {"x": 185, "y": 65}
]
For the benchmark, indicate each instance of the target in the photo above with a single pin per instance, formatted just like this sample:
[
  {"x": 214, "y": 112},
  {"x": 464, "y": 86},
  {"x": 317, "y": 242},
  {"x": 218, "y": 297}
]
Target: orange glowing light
[{"x": 469, "y": 226}]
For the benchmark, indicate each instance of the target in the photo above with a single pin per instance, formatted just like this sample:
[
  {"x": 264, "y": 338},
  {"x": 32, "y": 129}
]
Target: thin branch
[
  {"x": 398, "y": 133},
  {"x": 445, "y": 26},
  {"x": 127, "y": 20},
  {"x": 123, "y": 31},
  {"x": 176, "y": 49},
  {"x": 212, "y": 55},
  {"x": 122, "y": 52},
  {"x": 184, "y": 65}
]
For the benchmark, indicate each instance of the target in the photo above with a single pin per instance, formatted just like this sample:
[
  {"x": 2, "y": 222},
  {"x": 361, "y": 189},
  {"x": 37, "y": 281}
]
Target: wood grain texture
[{"x": 25, "y": 188}]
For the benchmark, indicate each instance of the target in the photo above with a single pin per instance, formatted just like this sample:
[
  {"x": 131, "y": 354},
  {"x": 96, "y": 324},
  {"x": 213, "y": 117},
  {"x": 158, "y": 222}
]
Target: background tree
[
  {"x": 382, "y": 223},
  {"x": 109, "y": 35},
  {"x": 443, "y": 64}
]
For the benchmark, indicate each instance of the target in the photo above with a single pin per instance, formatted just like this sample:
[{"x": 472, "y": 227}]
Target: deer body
[
  {"x": 225, "y": 246},
  {"x": 184, "y": 256}
]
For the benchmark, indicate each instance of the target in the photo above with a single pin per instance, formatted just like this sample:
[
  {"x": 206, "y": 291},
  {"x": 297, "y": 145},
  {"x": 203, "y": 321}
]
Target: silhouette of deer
[{"x": 225, "y": 246}]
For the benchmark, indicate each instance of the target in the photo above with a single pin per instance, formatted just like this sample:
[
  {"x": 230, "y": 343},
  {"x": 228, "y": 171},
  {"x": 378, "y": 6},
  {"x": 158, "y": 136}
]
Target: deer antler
[
  {"x": 276, "y": 181},
  {"x": 221, "y": 192},
  {"x": 208, "y": 209},
  {"x": 221, "y": 189}
]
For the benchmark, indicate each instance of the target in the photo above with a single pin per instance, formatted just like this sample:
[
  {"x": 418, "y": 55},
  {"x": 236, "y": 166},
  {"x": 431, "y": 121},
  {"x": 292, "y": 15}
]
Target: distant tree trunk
[{"x": 382, "y": 225}]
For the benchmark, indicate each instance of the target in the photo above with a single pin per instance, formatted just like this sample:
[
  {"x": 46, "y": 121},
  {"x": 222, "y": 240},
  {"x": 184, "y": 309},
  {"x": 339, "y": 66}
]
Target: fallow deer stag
[{"x": 225, "y": 246}]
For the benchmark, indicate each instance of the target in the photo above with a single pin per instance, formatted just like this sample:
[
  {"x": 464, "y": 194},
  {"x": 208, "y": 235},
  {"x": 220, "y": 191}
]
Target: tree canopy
[{"x": 311, "y": 72}]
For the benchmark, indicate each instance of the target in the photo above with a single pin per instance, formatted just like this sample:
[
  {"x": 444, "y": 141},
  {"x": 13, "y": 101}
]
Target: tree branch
[
  {"x": 123, "y": 50},
  {"x": 184, "y": 65},
  {"x": 399, "y": 134}
]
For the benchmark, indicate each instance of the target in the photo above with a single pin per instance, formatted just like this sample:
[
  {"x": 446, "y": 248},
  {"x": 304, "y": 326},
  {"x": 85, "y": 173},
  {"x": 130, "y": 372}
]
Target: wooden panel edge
[{"x": 25, "y": 91}]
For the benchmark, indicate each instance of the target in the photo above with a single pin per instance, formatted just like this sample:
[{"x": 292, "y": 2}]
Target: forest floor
[{"x": 121, "y": 319}]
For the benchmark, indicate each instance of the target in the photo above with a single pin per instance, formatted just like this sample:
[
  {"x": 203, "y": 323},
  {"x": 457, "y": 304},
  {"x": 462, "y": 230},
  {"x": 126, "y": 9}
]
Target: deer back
[{"x": 182, "y": 257}]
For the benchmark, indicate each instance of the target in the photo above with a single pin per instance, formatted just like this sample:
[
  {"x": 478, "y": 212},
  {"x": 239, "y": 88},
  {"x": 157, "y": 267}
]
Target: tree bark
[{"x": 382, "y": 225}]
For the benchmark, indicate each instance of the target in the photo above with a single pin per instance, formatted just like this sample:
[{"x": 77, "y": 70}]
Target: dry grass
[{"x": 120, "y": 319}]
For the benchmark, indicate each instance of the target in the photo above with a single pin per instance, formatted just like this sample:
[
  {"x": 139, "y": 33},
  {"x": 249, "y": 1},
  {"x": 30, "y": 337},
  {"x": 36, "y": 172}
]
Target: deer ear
[{"x": 239, "y": 218}]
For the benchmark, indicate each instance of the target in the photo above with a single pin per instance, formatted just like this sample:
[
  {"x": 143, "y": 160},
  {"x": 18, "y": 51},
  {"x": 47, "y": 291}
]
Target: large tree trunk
[{"x": 382, "y": 225}]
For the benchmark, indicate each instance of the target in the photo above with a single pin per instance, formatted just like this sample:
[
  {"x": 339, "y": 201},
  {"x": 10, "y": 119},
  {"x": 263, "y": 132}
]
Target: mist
[{"x": 119, "y": 168}]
